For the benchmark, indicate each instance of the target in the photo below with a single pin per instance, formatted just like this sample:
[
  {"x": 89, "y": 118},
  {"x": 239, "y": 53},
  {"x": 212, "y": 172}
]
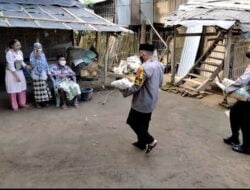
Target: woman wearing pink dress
[{"x": 14, "y": 79}]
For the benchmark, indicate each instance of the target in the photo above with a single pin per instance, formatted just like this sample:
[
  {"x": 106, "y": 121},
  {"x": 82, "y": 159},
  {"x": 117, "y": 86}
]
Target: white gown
[{"x": 12, "y": 86}]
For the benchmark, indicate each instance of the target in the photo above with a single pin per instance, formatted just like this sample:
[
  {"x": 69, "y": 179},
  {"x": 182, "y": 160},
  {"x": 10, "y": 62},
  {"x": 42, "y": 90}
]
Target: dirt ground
[{"x": 91, "y": 147}]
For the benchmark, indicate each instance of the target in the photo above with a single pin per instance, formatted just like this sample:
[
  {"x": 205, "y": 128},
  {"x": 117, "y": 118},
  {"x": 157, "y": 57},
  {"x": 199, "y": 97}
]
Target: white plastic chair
[{"x": 56, "y": 92}]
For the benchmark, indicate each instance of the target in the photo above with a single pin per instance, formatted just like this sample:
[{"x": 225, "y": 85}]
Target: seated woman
[
  {"x": 68, "y": 89},
  {"x": 39, "y": 74},
  {"x": 240, "y": 115}
]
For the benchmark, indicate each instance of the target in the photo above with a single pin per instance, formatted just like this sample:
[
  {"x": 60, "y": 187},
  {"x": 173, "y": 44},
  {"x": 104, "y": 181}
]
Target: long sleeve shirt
[
  {"x": 40, "y": 67},
  {"x": 145, "y": 91},
  {"x": 242, "y": 81},
  {"x": 61, "y": 72},
  {"x": 14, "y": 60}
]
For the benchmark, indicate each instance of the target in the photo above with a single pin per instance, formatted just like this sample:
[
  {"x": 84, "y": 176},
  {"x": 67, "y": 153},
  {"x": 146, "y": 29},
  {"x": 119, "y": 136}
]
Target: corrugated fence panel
[
  {"x": 163, "y": 8},
  {"x": 240, "y": 59},
  {"x": 189, "y": 51},
  {"x": 123, "y": 12},
  {"x": 147, "y": 7}
]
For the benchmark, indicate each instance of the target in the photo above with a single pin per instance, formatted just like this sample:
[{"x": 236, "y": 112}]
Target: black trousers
[
  {"x": 139, "y": 122},
  {"x": 240, "y": 120}
]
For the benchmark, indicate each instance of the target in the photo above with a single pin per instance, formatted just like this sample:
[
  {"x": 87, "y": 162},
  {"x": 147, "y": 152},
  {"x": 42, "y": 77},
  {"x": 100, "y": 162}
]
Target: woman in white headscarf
[{"x": 39, "y": 74}]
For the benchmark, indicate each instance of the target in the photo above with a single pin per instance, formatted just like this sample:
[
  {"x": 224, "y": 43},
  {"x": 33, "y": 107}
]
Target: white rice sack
[
  {"x": 122, "y": 68},
  {"x": 133, "y": 66},
  {"x": 134, "y": 63},
  {"x": 134, "y": 59},
  {"x": 77, "y": 61},
  {"x": 122, "y": 84},
  {"x": 225, "y": 83}
]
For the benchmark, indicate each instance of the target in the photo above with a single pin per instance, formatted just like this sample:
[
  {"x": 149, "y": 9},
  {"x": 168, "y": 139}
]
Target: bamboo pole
[
  {"x": 151, "y": 36},
  {"x": 156, "y": 32},
  {"x": 106, "y": 60},
  {"x": 96, "y": 39},
  {"x": 37, "y": 36},
  {"x": 173, "y": 61},
  {"x": 228, "y": 55},
  {"x": 143, "y": 32}
]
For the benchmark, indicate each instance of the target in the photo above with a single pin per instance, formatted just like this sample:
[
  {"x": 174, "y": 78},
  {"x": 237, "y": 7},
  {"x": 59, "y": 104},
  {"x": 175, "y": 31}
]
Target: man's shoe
[
  {"x": 241, "y": 149},
  {"x": 232, "y": 141},
  {"x": 150, "y": 147},
  {"x": 138, "y": 145}
]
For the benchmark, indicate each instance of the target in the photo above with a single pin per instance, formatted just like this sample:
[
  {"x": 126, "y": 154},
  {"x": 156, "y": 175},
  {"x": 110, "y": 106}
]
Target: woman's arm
[
  {"x": 242, "y": 81},
  {"x": 70, "y": 72},
  {"x": 23, "y": 64},
  {"x": 53, "y": 71},
  {"x": 32, "y": 59},
  {"x": 10, "y": 65},
  {"x": 141, "y": 76},
  {"x": 47, "y": 65}
]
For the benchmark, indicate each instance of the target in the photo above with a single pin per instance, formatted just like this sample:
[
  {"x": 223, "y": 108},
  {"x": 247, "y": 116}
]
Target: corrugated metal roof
[
  {"x": 64, "y": 3},
  {"x": 222, "y": 13},
  {"x": 52, "y": 14}
]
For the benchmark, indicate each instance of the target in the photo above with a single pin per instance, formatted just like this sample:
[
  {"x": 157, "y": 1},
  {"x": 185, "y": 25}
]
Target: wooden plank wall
[
  {"x": 106, "y": 10},
  {"x": 240, "y": 60},
  {"x": 163, "y": 8},
  {"x": 207, "y": 44},
  {"x": 135, "y": 12}
]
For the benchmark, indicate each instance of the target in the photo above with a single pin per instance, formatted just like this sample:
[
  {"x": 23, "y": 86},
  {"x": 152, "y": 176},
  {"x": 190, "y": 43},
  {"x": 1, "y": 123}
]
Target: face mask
[
  {"x": 62, "y": 63},
  {"x": 141, "y": 58}
]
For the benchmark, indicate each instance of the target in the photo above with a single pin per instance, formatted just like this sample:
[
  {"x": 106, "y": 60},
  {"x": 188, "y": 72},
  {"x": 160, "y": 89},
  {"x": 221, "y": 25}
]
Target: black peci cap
[{"x": 147, "y": 47}]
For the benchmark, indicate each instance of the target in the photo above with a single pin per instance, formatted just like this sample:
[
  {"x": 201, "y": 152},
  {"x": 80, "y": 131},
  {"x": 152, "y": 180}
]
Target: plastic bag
[
  {"x": 122, "y": 84},
  {"x": 242, "y": 93},
  {"x": 122, "y": 68},
  {"x": 134, "y": 63},
  {"x": 225, "y": 83},
  {"x": 77, "y": 62}
]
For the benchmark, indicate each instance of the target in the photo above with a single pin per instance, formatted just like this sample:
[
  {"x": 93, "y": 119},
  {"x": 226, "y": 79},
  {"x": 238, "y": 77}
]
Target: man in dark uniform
[
  {"x": 145, "y": 93},
  {"x": 240, "y": 115}
]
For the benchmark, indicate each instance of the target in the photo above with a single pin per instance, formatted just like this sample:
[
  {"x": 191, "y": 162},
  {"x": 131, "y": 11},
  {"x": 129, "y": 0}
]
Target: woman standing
[
  {"x": 15, "y": 81},
  {"x": 39, "y": 74}
]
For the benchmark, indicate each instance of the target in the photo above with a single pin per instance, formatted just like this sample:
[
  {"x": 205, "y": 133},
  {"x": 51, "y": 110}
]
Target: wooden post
[
  {"x": 106, "y": 60},
  {"x": 73, "y": 38},
  {"x": 154, "y": 29},
  {"x": 38, "y": 36},
  {"x": 228, "y": 55},
  {"x": 115, "y": 13},
  {"x": 143, "y": 32},
  {"x": 96, "y": 40},
  {"x": 173, "y": 58},
  {"x": 135, "y": 12},
  {"x": 151, "y": 36}
]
